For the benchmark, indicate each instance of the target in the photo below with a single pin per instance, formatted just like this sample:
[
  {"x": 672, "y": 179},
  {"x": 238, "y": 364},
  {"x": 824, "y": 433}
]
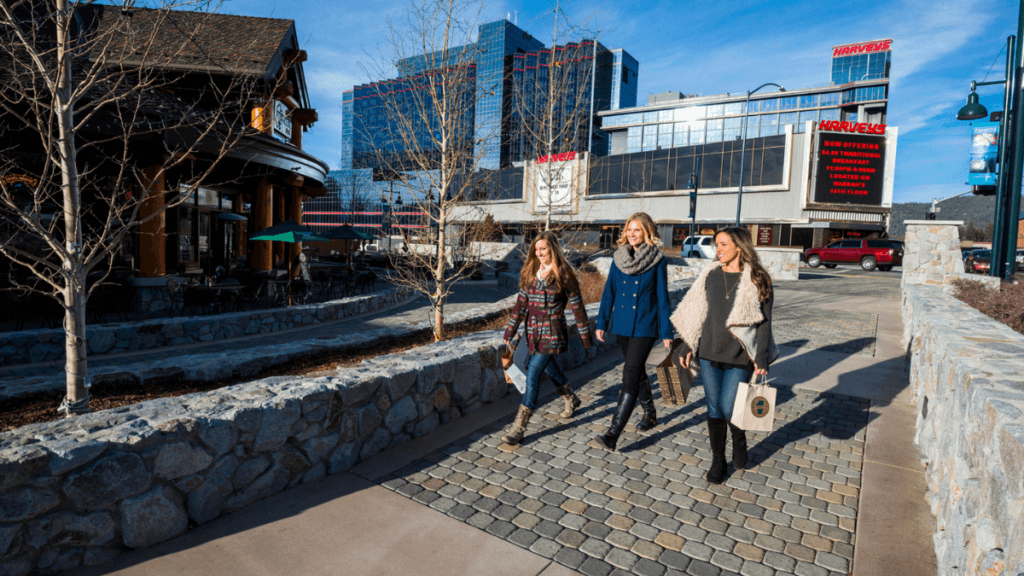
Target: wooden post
[
  {"x": 279, "y": 217},
  {"x": 295, "y": 213},
  {"x": 152, "y": 233},
  {"x": 262, "y": 252}
]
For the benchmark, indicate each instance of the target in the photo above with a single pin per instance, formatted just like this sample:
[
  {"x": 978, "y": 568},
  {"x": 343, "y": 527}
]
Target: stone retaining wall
[
  {"x": 781, "y": 263},
  {"x": 42, "y": 345},
  {"x": 965, "y": 370},
  {"x": 80, "y": 491}
]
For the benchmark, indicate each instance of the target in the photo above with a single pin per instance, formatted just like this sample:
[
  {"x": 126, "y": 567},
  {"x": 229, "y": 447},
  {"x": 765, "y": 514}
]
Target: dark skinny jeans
[{"x": 636, "y": 349}]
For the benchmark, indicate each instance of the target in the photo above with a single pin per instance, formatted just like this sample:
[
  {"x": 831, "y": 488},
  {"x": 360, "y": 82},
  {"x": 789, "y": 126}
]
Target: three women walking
[
  {"x": 546, "y": 285},
  {"x": 725, "y": 323},
  {"x": 635, "y": 308}
]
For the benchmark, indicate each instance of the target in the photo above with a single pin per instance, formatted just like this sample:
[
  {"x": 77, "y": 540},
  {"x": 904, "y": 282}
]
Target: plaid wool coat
[{"x": 543, "y": 309}]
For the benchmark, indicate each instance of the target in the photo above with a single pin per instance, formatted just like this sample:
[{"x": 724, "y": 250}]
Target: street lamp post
[
  {"x": 692, "y": 186},
  {"x": 743, "y": 144},
  {"x": 1004, "y": 227}
]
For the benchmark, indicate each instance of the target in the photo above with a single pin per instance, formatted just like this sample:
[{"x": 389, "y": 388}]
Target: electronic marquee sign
[{"x": 850, "y": 168}]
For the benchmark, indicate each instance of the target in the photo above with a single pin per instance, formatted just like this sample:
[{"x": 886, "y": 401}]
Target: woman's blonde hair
[
  {"x": 651, "y": 235},
  {"x": 564, "y": 277},
  {"x": 748, "y": 256}
]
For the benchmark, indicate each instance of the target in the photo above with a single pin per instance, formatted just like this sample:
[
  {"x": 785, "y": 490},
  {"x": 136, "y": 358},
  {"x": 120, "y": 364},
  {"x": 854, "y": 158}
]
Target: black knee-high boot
[
  {"x": 649, "y": 419},
  {"x": 624, "y": 408},
  {"x": 739, "y": 447},
  {"x": 716, "y": 433}
]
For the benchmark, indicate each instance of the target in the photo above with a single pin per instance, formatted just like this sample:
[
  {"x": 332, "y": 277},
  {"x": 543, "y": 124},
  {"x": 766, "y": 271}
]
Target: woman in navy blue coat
[{"x": 635, "y": 307}]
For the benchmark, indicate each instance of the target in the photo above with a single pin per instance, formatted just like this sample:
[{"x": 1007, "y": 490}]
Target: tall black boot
[
  {"x": 716, "y": 433},
  {"x": 649, "y": 419},
  {"x": 739, "y": 447},
  {"x": 625, "y": 407}
]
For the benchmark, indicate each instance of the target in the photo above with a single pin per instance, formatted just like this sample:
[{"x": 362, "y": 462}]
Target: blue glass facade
[
  {"x": 855, "y": 68},
  {"x": 505, "y": 60},
  {"x": 625, "y": 75}
]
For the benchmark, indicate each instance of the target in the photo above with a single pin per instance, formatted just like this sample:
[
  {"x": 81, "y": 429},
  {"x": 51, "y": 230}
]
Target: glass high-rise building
[{"x": 507, "y": 84}]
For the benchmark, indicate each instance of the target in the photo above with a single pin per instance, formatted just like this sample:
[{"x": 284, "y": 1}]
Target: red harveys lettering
[
  {"x": 862, "y": 48},
  {"x": 858, "y": 127},
  {"x": 557, "y": 157}
]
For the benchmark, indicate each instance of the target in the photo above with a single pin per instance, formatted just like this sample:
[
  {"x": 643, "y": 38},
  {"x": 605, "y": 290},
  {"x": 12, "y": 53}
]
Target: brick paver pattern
[
  {"x": 647, "y": 509},
  {"x": 799, "y": 326}
]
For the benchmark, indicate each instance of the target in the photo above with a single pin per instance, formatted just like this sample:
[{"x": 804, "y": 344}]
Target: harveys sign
[
  {"x": 862, "y": 48},
  {"x": 855, "y": 127},
  {"x": 564, "y": 156}
]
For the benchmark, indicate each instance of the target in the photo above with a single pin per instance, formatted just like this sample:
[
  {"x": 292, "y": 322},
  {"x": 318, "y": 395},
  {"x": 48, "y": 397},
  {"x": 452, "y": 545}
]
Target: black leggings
[{"x": 634, "y": 375}]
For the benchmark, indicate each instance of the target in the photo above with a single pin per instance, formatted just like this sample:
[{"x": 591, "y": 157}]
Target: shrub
[
  {"x": 591, "y": 284},
  {"x": 1005, "y": 304}
]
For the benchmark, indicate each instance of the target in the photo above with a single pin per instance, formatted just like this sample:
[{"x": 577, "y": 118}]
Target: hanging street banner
[
  {"x": 556, "y": 181},
  {"x": 850, "y": 169},
  {"x": 984, "y": 153}
]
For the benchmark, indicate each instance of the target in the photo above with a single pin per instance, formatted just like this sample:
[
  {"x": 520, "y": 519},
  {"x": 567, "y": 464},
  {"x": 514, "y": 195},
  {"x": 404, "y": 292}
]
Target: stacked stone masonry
[
  {"x": 932, "y": 256},
  {"x": 80, "y": 491},
  {"x": 33, "y": 346},
  {"x": 965, "y": 370}
]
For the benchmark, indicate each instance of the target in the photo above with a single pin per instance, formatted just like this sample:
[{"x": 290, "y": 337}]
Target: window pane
[
  {"x": 714, "y": 135},
  {"x": 755, "y": 106},
  {"x": 680, "y": 139},
  {"x": 809, "y": 101},
  {"x": 809, "y": 116},
  {"x": 650, "y": 140},
  {"x": 832, "y": 114},
  {"x": 714, "y": 110},
  {"x": 635, "y": 131},
  {"x": 734, "y": 109},
  {"x": 680, "y": 127},
  {"x": 769, "y": 130},
  {"x": 650, "y": 116},
  {"x": 714, "y": 124},
  {"x": 651, "y": 130},
  {"x": 733, "y": 122},
  {"x": 788, "y": 118},
  {"x": 634, "y": 142},
  {"x": 830, "y": 99},
  {"x": 665, "y": 115},
  {"x": 731, "y": 134},
  {"x": 665, "y": 140},
  {"x": 696, "y": 137},
  {"x": 769, "y": 105},
  {"x": 787, "y": 103}
]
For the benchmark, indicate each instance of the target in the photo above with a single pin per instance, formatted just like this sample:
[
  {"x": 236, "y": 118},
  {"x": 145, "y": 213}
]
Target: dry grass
[
  {"x": 1005, "y": 304},
  {"x": 42, "y": 407}
]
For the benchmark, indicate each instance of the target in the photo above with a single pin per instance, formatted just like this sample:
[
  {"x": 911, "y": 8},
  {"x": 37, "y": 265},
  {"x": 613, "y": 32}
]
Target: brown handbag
[{"x": 674, "y": 380}]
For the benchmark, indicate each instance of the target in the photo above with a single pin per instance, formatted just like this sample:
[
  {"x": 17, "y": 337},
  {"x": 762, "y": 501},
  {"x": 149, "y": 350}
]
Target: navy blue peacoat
[{"x": 637, "y": 305}]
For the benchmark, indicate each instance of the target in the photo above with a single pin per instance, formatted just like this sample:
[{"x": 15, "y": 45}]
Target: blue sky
[{"x": 717, "y": 47}]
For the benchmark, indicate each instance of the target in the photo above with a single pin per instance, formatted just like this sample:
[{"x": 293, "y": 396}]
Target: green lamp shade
[{"x": 973, "y": 110}]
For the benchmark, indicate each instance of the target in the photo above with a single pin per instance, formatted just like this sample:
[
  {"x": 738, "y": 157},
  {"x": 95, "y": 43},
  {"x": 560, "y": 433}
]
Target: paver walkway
[{"x": 836, "y": 487}]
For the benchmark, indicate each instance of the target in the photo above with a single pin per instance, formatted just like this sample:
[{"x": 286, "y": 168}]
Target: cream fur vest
[{"x": 746, "y": 314}]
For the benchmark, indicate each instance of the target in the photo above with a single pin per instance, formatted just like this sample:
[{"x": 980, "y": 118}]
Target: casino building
[{"x": 818, "y": 163}]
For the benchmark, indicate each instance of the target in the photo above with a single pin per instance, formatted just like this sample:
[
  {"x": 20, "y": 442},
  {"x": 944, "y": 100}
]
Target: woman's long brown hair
[
  {"x": 748, "y": 256},
  {"x": 562, "y": 276}
]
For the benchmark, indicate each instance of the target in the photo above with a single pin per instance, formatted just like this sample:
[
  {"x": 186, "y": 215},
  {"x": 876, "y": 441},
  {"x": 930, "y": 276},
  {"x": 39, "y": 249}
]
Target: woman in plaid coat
[{"x": 546, "y": 286}]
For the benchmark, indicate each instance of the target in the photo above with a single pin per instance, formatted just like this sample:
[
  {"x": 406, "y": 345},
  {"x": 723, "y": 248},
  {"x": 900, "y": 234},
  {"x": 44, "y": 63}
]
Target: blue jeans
[
  {"x": 720, "y": 384},
  {"x": 536, "y": 365}
]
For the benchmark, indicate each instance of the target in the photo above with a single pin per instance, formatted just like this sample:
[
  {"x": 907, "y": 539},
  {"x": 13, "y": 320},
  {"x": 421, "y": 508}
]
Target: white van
[{"x": 699, "y": 247}]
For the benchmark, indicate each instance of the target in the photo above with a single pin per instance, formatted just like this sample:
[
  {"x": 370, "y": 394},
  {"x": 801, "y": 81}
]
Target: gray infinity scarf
[{"x": 634, "y": 262}]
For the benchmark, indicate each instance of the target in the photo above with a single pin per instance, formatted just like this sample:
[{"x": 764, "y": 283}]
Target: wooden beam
[
  {"x": 292, "y": 57},
  {"x": 305, "y": 116}
]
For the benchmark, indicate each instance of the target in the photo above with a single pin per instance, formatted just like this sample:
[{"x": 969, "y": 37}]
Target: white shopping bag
[
  {"x": 754, "y": 409},
  {"x": 515, "y": 372}
]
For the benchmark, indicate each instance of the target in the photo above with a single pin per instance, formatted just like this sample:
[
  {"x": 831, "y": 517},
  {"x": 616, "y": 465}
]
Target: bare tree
[
  {"x": 91, "y": 133},
  {"x": 553, "y": 103},
  {"x": 422, "y": 132}
]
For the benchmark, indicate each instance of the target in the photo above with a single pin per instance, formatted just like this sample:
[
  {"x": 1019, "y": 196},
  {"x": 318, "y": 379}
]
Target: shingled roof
[{"x": 193, "y": 40}]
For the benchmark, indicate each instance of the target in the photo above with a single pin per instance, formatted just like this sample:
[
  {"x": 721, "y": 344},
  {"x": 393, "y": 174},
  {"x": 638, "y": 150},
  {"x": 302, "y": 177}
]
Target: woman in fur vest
[
  {"x": 725, "y": 321},
  {"x": 546, "y": 285},
  {"x": 635, "y": 307}
]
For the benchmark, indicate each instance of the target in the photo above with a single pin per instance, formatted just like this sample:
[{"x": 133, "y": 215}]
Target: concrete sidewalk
[{"x": 837, "y": 488}]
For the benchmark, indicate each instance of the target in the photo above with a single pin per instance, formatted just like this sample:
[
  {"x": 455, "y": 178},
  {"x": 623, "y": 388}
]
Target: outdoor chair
[
  {"x": 309, "y": 285},
  {"x": 196, "y": 297},
  {"x": 251, "y": 292},
  {"x": 110, "y": 297},
  {"x": 366, "y": 281},
  {"x": 177, "y": 295}
]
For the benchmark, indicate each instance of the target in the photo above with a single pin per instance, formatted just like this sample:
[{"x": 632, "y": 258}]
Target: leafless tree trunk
[
  {"x": 65, "y": 69},
  {"x": 428, "y": 139},
  {"x": 554, "y": 123}
]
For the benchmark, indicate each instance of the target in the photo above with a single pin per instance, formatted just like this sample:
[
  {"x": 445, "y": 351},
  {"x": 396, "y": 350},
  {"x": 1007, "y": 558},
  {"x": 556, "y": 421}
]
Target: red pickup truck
[{"x": 883, "y": 253}]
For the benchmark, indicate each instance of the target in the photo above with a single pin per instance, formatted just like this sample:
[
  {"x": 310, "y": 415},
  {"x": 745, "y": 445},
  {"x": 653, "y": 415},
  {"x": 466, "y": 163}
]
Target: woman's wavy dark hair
[
  {"x": 748, "y": 255},
  {"x": 563, "y": 276}
]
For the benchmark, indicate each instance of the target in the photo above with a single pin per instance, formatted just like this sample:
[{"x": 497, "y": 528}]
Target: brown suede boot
[
  {"x": 518, "y": 430},
  {"x": 571, "y": 400}
]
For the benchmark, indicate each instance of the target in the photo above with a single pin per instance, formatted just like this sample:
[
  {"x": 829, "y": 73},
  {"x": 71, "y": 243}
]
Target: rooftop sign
[{"x": 862, "y": 48}]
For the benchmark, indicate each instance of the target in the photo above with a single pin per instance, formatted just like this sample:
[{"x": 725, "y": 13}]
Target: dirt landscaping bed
[{"x": 31, "y": 409}]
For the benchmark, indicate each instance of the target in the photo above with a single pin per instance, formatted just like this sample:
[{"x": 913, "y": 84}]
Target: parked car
[
  {"x": 881, "y": 253},
  {"x": 698, "y": 247},
  {"x": 979, "y": 262},
  {"x": 1020, "y": 258}
]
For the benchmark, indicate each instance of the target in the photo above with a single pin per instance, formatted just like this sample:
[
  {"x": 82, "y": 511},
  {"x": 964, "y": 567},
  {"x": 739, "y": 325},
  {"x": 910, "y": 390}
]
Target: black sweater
[{"x": 717, "y": 344}]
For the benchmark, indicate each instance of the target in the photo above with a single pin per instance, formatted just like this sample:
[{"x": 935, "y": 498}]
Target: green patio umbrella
[
  {"x": 346, "y": 232},
  {"x": 292, "y": 233},
  {"x": 288, "y": 231}
]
